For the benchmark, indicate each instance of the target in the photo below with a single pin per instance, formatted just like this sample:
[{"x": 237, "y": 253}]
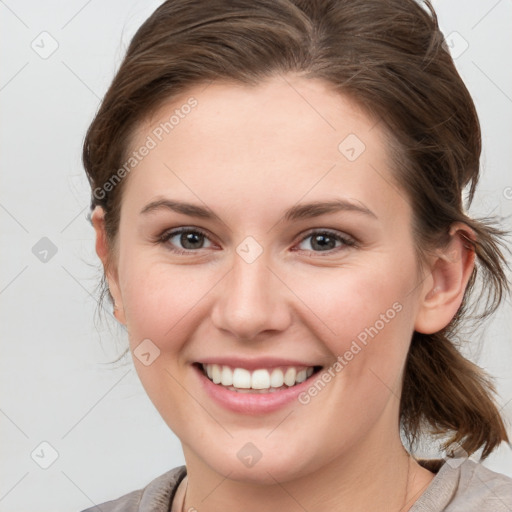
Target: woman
[{"x": 278, "y": 199}]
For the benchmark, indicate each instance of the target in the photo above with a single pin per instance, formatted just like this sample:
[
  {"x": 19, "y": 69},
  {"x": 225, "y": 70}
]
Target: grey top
[{"x": 468, "y": 487}]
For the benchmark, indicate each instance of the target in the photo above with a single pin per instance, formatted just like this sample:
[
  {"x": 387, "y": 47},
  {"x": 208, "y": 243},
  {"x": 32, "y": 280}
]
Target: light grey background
[{"x": 56, "y": 383}]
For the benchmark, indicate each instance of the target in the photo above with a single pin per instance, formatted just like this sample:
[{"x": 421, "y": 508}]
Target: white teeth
[
  {"x": 277, "y": 378},
  {"x": 301, "y": 376},
  {"x": 216, "y": 373},
  {"x": 289, "y": 376},
  {"x": 242, "y": 378},
  {"x": 260, "y": 379},
  {"x": 226, "y": 376}
]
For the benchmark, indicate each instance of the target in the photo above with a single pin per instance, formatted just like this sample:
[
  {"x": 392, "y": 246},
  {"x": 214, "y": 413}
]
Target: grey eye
[
  {"x": 321, "y": 241},
  {"x": 188, "y": 239}
]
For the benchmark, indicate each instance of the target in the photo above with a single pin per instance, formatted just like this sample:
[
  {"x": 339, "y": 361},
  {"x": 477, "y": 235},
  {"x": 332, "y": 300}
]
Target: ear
[
  {"x": 104, "y": 252},
  {"x": 444, "y": 288}
]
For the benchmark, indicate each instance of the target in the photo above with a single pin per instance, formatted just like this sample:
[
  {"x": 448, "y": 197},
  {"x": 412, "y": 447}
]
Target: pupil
[
  {"x": 189, "y": 239},
  {"x": 323, "y": 242}
]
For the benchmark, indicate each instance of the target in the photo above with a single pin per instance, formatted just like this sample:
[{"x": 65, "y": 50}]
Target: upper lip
[{"x": 255, "y": 363}]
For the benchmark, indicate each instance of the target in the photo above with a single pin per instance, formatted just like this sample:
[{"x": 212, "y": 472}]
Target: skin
[{"x": 248, "y": 154}]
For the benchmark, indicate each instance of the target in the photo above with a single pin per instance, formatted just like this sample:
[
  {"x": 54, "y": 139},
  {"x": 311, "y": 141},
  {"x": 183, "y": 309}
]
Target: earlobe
[
  {"x": 450, "y": 272},
  {"x": 103, "y": 252}
]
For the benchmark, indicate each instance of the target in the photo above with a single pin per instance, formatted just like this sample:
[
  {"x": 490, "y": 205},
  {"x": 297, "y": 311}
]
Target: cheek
[
  {"x": 160, "y": 299},
  {"x": 356, "y": 302},
  {"x": 165, "y": 304},
  {"x": 364, "y": 317}
]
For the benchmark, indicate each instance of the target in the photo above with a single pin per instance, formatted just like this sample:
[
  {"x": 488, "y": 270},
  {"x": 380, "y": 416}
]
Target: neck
[{"x": 375, "y": 477}]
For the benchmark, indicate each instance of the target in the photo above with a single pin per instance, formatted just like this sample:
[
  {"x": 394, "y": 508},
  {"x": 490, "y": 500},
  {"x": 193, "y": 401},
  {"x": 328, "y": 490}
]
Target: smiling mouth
[{"x": 262, "y": 380}]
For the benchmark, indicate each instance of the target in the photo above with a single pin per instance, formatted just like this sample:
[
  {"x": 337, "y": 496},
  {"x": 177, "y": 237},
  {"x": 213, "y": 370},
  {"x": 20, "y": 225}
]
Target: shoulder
[
  {"x": 155, "y": 497},
  {"x": 466, "y": 486},
  {"x": 484, "y": 489}
]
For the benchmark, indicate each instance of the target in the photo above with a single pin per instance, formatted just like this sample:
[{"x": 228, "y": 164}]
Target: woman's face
[{"x": 264, "y": 278}]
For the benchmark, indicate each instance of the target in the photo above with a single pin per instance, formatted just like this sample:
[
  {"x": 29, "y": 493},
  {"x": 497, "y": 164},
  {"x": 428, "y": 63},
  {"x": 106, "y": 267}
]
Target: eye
[
  {"x": 185, "y": 240},
  {"x": 325, "y": 241}
]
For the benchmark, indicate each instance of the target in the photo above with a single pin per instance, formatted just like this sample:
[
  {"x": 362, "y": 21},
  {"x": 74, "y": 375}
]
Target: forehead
[{"x": 253, "y": 148}]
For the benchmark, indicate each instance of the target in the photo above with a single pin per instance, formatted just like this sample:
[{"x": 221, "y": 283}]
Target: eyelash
[{"x": 345, "y": 240}]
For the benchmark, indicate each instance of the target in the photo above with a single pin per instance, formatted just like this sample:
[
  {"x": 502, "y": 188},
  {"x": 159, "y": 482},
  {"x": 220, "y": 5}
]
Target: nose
[{"x": 251, "y": 300}]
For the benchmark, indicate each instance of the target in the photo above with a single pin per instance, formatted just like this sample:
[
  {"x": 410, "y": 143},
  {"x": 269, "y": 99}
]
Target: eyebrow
[
  {"x": 180, "y": 207},
  {"x": 315, "y": 209},
  {"x": 299, "y": 211}
]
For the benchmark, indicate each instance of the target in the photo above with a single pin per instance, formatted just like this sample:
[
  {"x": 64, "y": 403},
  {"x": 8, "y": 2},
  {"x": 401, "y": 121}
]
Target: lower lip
[{"x": 251, "y": 403}]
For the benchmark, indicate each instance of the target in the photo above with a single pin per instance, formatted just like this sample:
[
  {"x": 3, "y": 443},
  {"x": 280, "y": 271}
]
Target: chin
[{"x": 263, "y": 467}]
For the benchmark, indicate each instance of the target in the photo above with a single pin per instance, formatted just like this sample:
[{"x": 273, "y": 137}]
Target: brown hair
[{"x": 388, "y": 56}]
